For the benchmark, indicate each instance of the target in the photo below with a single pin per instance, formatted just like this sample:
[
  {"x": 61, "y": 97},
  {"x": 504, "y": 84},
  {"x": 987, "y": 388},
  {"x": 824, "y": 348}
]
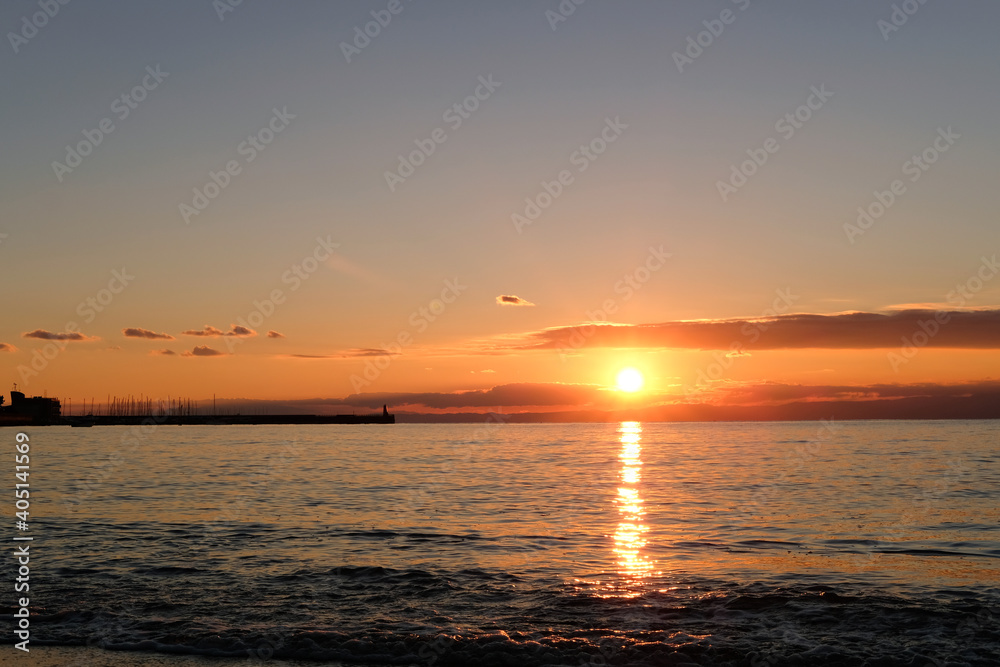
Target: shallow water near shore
[{"x": 632, "y": 544}]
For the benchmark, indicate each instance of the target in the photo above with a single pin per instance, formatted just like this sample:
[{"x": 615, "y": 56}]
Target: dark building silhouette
[{"x": 24, "y": 411}]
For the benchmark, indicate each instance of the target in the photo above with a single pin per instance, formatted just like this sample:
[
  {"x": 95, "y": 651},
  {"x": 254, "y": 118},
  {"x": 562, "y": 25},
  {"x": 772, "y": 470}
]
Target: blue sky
[{"x": 325, "y": 173}]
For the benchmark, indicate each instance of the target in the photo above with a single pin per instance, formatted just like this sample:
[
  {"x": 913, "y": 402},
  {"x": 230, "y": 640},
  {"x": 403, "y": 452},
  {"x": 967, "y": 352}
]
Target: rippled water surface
[{"x": 743, "y": 544}]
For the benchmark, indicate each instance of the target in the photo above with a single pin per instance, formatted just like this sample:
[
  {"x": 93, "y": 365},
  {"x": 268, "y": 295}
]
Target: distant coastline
[
  {"x": 40, "y": 411},
  {"x": 45, "y": 411}
]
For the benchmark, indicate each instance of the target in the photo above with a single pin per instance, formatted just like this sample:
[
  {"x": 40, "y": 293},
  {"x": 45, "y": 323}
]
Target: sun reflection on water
[{"x": 630, "y": 536}]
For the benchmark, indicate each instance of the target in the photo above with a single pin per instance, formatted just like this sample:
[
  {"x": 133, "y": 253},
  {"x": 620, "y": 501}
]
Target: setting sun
[{"x": 630, "y": 380}]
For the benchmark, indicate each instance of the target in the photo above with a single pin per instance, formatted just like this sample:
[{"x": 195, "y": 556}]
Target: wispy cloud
[
  {"x": 204, "y": 351},
  {"x": 732, "y": 393},
  {"x": 346, "y": 267},
  {"x": 512, "y": 300},
  {"x": 361, "y": 352},
  {"x": 369, "y": 352},
  {"x": 136, "y": 332},
  {"x": 275, "y": 334},
  {"x": 42, "y": 334},
  {"x": 165, "y": 353},
  {"x": 4, "y": 347},
  {"x": 969, "y": 329},
  {"x": 210, "y": 331},
  {"x": 508, "y": 395}
]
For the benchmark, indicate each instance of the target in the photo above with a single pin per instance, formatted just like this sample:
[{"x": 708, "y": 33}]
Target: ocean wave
[{"x": 493, "y": 618}]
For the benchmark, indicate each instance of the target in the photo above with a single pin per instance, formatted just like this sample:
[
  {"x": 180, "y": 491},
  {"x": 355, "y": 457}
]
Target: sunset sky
[{"x": 149, "y": 268}]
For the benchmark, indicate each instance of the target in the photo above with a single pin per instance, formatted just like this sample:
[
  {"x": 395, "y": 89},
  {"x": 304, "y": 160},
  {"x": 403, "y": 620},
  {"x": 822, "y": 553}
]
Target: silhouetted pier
[{"x": 137, "y": 411}]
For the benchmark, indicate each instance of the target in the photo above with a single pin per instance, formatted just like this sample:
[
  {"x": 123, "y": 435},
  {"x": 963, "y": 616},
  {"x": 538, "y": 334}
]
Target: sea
[{"x": 750, "y": 544}]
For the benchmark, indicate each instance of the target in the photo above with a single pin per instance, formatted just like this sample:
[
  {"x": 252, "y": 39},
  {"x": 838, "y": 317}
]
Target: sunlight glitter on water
[
  {"x": 629, "y": 537},
  {"x": 711, "y": 539}
]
